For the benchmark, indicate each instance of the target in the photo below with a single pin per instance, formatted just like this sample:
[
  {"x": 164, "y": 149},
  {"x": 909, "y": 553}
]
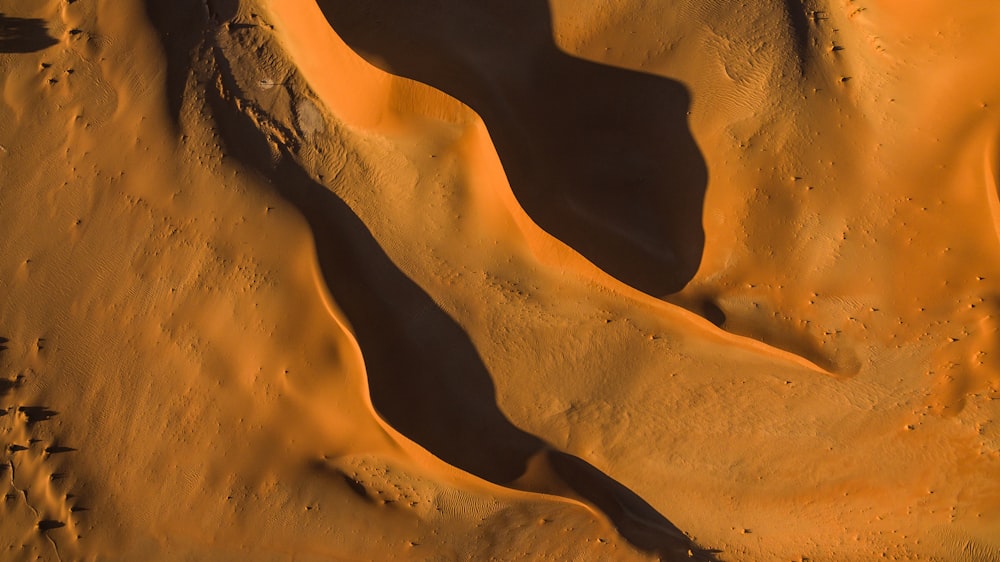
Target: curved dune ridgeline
[
  {"x": 492, "y": 280},
  {"x": 599, "y": 156}
]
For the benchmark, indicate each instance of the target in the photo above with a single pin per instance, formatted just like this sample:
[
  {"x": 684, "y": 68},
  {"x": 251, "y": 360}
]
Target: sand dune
[{"x": 567, "y": 280}]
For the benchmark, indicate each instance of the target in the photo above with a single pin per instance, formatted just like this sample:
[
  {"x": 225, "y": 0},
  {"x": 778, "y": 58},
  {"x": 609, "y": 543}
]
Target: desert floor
[{"x": 495, "y": 280}]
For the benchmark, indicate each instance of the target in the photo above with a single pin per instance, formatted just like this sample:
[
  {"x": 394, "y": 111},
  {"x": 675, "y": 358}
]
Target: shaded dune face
[
  {"x": 600, "y": 157},
  {"x": 424, "y": 375},
  {"x": 426, "y": 378}
]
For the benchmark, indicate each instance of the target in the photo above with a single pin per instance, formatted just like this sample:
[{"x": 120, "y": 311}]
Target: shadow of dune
[
  {"x": 600, "y": 157},
  {"x": 35, "y": 414},
  {"x": 636, "y": 520},
  {"x": 8, "y": 385},
  {"x": 23, "y": 35},
  {"x": 50, "y": 524},
  {"x": 426, "y": 378},
  {"x": 425, "y": 375}
]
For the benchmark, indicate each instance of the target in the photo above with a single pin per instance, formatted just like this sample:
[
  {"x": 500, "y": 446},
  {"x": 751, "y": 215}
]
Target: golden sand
[{"x": 494, "y": 280}]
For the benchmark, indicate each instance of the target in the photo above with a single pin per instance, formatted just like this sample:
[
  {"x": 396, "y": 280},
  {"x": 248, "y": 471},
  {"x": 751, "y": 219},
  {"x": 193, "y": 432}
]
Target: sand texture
[{"x": 497, "y": 280}]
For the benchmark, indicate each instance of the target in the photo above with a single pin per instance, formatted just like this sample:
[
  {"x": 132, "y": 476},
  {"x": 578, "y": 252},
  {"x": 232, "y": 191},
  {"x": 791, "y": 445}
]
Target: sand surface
[{"x": 495, "y": 280}]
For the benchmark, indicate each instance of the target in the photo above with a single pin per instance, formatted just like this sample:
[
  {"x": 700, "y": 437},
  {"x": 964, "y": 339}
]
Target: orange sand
[{"x": 452, "y": 280}]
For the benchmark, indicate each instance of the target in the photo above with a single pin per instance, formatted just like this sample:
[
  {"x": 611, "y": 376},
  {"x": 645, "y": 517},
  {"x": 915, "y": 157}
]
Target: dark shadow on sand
[
  {"x": 36, "y": 414},
  {"x": 600, "y": 157},
  {"x": 425, "y": 375},
  {"x": 23, "y": 35}
]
